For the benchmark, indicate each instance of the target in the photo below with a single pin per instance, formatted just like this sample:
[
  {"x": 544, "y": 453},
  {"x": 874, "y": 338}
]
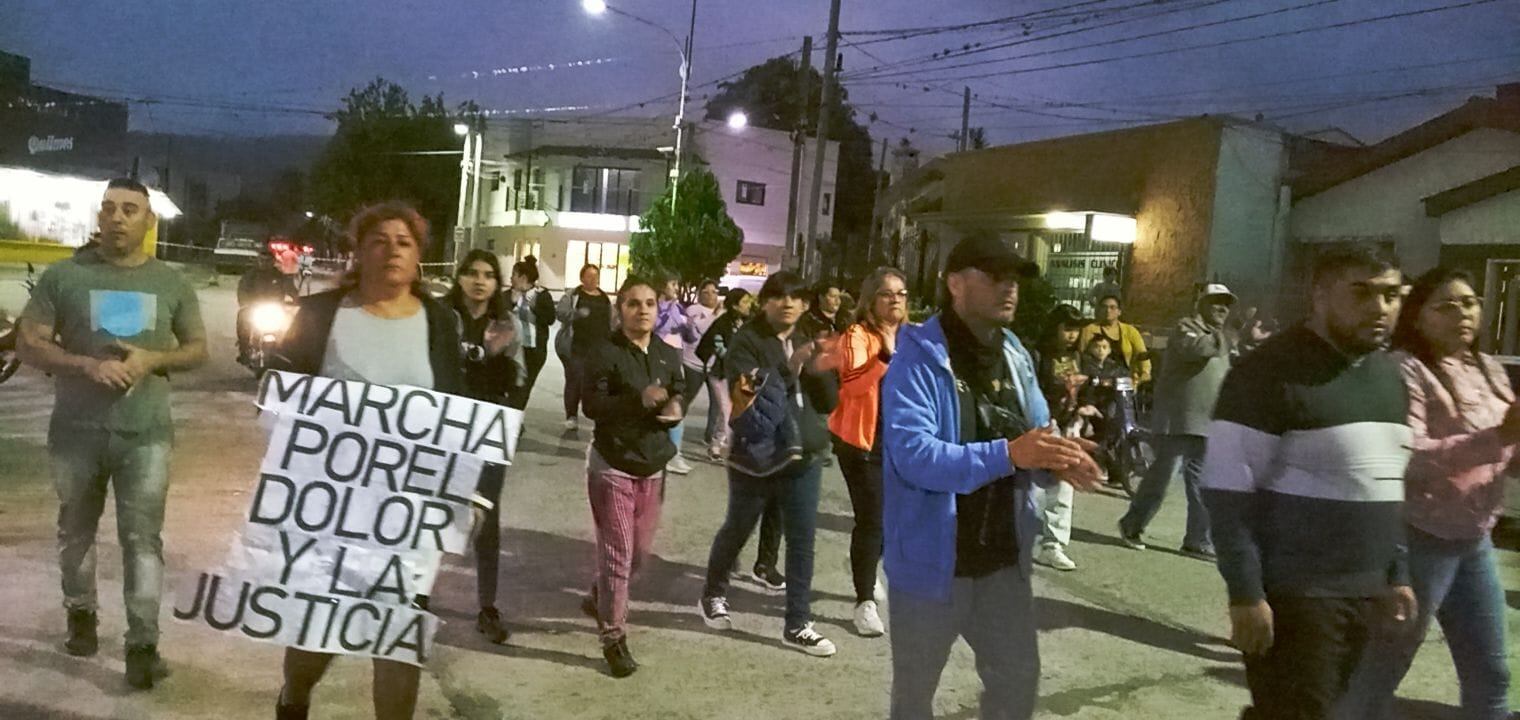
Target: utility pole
[
  {"x": 876, "y": 209},
  {"x": 480, "y": 143},
  {"x": 686, "y": 50},
  {"x": 821, "y": 142},
  {"x": 966, "y": 120},
  {"x": 799, "y": 136}
]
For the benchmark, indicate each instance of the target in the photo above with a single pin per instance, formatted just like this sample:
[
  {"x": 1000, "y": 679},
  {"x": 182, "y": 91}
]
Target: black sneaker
[
  {"x": 82, "y": 640},
  {"x": 715, "y": 613},
  {"x": 488, "y": 622},
  {"x": 145, "y": 666},
  {"x": 620, "y": 662},
  {"x": 1201, "y": 553},
  {"x": 1133, "y": 542},
  {"x": 809, "y": 641},
  {"x": 768, "y": 578},
  {"x": 291, "y": 712}
]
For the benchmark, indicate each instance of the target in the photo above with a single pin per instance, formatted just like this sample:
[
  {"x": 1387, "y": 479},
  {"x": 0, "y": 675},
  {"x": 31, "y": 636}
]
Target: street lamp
[
  {"x": 461, "y": 129},
  {"x": 598, "y": 7},
  {"x": 738, "y": 120}
]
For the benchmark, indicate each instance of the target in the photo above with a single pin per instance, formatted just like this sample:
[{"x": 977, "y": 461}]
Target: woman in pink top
[{"x": 1466, "y": 426}]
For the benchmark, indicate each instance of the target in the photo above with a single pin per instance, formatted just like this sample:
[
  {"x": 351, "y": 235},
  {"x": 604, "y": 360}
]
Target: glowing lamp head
[
  {"x": 269, "y": 318},
  {"x": 461, "y": 129},
  {"x": 594, "y": 7},
  {"x": 738, "y": 120}
]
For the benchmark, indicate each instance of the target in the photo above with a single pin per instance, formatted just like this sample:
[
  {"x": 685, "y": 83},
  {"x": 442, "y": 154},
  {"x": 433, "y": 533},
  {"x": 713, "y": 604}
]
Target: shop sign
[{"x": 52, "y": 143}]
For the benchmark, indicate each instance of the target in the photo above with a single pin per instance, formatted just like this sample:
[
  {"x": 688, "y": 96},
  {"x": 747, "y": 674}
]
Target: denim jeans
[
  {"x": 575, "y": 389},
  {"x": 1173, "y": 453},
  {"x": 995, "y": 614},
  {"x": 1457, "y": 582},
  {"x": 138, "y": 472},
  {"x": 797, "y": 492},
  {"x": 719, "y": 404}
]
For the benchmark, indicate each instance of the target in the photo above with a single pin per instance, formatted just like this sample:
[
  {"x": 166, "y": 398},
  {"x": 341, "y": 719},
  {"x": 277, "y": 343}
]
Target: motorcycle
[
  {"x": 1124, "y": 448},
  {"x": 267, "y": 322},
  {"x": 9, "y": 361}
]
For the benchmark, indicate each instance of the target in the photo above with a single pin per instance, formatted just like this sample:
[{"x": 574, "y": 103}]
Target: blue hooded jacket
[{"x": 925, "y": 464}]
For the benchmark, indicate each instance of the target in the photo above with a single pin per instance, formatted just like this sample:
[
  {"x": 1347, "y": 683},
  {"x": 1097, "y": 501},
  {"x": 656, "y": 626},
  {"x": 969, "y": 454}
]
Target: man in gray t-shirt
[{"x": 110, "y": 325}]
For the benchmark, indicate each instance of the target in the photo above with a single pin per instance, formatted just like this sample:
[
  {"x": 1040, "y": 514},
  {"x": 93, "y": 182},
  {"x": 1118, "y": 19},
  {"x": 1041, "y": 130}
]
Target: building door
[{"x": 1072, "y": 264}]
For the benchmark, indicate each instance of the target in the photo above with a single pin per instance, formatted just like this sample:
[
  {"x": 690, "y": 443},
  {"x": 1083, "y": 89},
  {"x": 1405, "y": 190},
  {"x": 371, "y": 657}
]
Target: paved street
[{"x": 1128, "y": 635}]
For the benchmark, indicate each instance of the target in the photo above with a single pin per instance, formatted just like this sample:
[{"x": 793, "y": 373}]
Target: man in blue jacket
[{"x": 968, "y": 430}]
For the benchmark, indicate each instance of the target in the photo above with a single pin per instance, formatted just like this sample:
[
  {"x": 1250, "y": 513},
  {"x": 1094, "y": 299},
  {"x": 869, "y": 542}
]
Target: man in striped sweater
[{"x": 1303, "y": 478}]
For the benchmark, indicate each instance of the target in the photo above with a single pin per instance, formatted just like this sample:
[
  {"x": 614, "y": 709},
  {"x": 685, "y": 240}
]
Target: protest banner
[{"x": 361, "y": 490}]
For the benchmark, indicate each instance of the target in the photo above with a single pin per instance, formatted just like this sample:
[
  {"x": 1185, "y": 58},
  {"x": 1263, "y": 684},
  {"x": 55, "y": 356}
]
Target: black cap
[{"x": 987, "y": 253}]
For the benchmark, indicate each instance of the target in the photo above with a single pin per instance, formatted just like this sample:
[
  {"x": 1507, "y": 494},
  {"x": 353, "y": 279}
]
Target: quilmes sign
[
  {"x": 361, "y": 491},
  {"x": 52, "y": 143}
]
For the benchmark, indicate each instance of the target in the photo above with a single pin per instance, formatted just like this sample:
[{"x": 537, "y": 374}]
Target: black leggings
[
  {"x": 517, "y": 399},
  {"x": 862, "y": 476},
  {"x": 488, "y": 543}
]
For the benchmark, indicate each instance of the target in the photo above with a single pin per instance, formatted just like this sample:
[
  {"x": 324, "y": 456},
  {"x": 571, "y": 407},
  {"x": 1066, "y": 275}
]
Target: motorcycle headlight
[{"x": 269, "y": 318}]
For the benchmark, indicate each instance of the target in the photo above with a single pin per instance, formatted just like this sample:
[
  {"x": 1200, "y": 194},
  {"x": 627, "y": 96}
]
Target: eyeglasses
[
  {"x": 889, "y": 295},
  {"x": 1459, "y": 306}
]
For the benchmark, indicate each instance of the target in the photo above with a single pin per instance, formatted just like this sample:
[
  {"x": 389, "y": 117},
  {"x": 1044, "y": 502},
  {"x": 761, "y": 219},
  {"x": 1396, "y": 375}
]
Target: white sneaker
[
  {"x": 572, "y": 424},
  {"x": 879, "y": 593},
  {"x": 868, "y": 620},
  {"x": 678, "y": 465},
  {"x": 1055, "y": 557},
  {"x": 809, "y": 641}
]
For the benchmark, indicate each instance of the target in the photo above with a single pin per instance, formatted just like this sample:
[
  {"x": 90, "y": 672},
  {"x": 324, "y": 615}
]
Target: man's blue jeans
[
  {"x": 138, "y": 473},
  {"x": 797, "y": 491},
  {"x": 1173, "y": 453},
  {"x": 1457, "y": 582}
]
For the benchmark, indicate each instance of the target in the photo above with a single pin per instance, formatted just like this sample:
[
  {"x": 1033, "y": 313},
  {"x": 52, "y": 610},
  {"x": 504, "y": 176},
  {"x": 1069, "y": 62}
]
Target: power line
[
  {"x": 1223, "y": 43},
  {"x": 906, "y": 33},
  {"x": 1115, "y": 41},
  {"x": 1025, "y": 39}
]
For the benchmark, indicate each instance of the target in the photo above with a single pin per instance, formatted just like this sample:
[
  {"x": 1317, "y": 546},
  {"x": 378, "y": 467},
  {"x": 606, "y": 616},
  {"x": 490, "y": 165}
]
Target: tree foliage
[
  {"x": 366, "y": 160},
  {"x": 696, "y": 241},
  {"x": 770, "y": 94}
]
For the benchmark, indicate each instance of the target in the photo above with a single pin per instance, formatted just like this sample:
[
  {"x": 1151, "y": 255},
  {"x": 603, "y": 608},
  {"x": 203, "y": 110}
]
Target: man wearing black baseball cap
[{"x": 970, "y": 438}]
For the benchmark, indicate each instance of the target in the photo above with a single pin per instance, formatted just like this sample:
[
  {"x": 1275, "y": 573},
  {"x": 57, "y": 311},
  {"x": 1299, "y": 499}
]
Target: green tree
[
  {"x": 696, "y": 241},
  {"x": 770, "y": 94},
  {"x": 372, "y": 156}
]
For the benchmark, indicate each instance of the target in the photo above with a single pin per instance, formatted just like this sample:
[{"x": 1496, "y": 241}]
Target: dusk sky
[{"x": 246, "y": 68}]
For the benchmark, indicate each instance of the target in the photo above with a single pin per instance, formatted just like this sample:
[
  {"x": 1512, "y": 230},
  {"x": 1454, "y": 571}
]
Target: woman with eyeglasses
[
  {"x": 855, "y": 426},
  {"x": 1466, "y": 428}
]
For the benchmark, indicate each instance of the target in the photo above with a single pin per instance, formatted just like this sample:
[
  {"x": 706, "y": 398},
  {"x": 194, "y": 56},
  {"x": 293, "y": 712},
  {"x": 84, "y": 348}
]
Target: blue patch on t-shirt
[{"x": 122, "y": 313}]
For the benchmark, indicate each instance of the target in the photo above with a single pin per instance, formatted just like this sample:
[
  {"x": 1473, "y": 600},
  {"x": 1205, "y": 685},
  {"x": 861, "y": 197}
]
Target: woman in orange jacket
[{"x": 855, "y": 424}]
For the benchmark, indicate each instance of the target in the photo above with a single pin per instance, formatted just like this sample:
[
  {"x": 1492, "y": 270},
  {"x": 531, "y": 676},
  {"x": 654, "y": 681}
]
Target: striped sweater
[{"x": 1303, "y": 476}]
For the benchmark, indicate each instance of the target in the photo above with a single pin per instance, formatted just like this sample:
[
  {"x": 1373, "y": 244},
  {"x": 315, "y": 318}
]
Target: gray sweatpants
[{"x": 996, "y": 616}]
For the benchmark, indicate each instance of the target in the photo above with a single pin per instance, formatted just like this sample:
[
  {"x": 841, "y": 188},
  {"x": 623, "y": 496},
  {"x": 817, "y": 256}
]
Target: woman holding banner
[
  {"x": 493, "y": 370},
  {"x": 634, "y": 387},
  {"x": 379, "y": 327}
]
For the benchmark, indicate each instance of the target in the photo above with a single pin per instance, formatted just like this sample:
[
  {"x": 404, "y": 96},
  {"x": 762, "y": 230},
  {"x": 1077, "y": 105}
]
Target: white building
[
  {"x": 1444, "y": 192},
  {"x": 570, "y": 191}
]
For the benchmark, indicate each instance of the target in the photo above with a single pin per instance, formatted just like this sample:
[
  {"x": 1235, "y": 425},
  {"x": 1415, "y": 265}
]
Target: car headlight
[{"x": 269, "y": 318}]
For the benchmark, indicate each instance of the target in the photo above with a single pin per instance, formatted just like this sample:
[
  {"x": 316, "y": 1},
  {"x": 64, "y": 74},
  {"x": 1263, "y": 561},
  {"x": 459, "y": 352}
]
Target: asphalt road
[{"x": 1128, "y": 635}]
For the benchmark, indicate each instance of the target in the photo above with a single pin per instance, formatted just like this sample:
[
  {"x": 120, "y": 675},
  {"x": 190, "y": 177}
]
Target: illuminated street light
[
  {"x": 595, "y": 7},
  {"x": 738, "y": 120},
  {"x": 461, "y": 129}
]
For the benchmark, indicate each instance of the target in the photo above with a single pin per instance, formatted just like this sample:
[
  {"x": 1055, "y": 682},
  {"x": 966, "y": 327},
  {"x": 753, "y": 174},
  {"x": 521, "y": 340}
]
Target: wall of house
[
  {"x": 1176, "y": 213},
  {"x": 1493, "y": 221},
  {"x": 759, "y": 155},
  {"x": 1247, "y": 234},
  {"x": 1163, "y": 175},
  {"x": 1387, "y": 202}
]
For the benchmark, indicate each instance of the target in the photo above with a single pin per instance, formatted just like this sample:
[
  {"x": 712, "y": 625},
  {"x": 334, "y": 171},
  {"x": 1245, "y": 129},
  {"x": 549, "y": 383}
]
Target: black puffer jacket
[
  {"x": 756, "y": 347},
  {"x": 629, "y": 436}
]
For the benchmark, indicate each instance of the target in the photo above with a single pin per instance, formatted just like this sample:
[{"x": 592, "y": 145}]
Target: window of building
[
  {"x": 605, "y": 190},
  {"x": 750, "y": 193},
  {"x": 828, "y": 202},
  {"x": 527, "y": 195}
]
